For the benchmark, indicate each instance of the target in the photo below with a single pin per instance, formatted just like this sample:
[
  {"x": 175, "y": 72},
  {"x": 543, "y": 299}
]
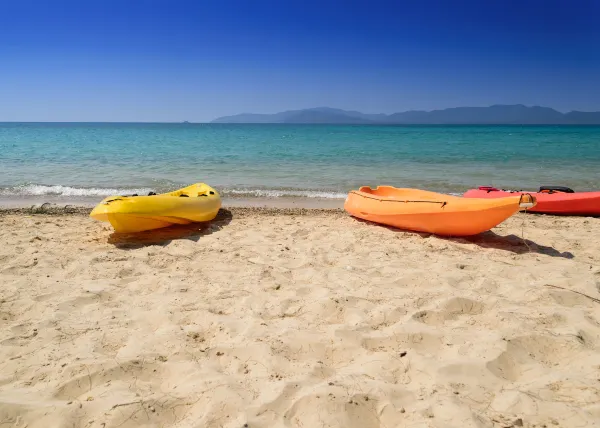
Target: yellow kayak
[{"x": 127, "y": 214}]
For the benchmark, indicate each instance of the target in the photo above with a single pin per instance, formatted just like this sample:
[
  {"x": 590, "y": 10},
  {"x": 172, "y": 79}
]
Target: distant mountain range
[{"x": 494, "y": 115}]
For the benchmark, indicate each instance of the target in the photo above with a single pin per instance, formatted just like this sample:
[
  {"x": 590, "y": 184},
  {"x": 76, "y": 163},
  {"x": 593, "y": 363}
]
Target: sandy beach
[{"x": 298, "y": 318}]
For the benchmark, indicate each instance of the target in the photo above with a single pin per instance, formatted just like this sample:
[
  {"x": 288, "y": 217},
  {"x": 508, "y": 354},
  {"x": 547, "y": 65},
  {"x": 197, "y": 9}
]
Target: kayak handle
[{"x": 526, "y": 201}]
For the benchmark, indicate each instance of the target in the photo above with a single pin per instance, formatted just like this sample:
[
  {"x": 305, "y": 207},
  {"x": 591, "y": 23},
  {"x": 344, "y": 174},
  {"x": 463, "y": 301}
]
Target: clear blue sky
[{"x": 173, "y": 60}]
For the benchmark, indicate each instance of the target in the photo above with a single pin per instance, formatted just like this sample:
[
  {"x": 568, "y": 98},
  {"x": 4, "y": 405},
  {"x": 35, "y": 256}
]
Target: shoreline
[{"x": 23, "y": 202}]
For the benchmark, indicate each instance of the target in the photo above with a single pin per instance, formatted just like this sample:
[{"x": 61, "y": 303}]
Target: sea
[{"x": 89, "y": 161}]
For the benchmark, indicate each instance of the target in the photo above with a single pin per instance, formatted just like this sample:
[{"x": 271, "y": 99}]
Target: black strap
[{"x": 553, "y": 189}]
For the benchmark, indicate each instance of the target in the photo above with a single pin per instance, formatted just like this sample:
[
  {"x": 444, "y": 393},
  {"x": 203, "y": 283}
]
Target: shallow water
[{"x": 74, "y": 160}]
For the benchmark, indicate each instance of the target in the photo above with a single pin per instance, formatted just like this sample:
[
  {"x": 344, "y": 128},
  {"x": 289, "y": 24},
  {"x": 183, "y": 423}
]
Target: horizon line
[
  {"x": 297, "y": 124},
  {"x": 213, "y": 121}
]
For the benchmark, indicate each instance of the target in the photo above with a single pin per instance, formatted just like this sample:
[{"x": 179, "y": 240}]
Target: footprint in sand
[
  {"x": 401, "y": 341},
  {"x": 334, "y": 410},
  {"x": 82, "y": 379},
  {"x": 23, "y": 334},
  {"x": 382, "y": 318},
  {"x": 450, "y": 310},
  {"x": 530, "y": 350},
  {"x": 429, "y": 317},
  {"x": 85, "y": 300},
  {"x": 505, "y": 367},
  {"x": 112, "y": 341},
  {"x": 462, "y": 306},
  {"x": 160, "y": 261}
]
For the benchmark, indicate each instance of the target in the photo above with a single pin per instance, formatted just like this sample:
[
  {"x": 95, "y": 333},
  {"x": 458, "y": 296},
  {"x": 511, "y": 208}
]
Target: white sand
[{"x": 306, "y": 320}]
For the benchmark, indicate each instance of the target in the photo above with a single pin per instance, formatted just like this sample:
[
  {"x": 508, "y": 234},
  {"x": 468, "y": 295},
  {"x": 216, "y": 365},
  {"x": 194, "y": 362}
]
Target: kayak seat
[{"x": 555, "y": 189}]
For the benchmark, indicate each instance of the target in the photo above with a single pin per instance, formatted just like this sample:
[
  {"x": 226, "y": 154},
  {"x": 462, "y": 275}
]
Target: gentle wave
[
  {"x": 68, "y": 191},
  {"x": 282, "y": 193},
  {"x": 58, "y": 190}
]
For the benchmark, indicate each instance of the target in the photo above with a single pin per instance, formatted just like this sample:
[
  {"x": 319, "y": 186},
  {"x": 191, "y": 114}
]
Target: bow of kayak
[{"x": 559, "y": 202}]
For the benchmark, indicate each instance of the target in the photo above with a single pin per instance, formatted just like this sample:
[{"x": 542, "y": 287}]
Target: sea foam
[
  {"x": 281, "y": 193},
  {"x": 69, "y": 191},
  {"x": 59, "y": 190}
]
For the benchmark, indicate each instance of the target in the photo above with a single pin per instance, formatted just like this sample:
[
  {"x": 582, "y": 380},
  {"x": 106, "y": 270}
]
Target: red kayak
[{"x": 550, "y": 199}]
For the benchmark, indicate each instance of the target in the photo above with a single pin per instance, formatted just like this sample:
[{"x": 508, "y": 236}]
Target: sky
[{"x": 176, "y": 60}]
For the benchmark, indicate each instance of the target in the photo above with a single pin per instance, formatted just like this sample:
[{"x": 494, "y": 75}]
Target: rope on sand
[{"x": 523, "y": 232}]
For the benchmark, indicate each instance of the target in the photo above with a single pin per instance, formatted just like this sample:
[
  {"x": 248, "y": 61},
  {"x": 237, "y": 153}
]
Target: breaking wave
[
  {"x": 69, "y": 191},
  {"x": 282, "y": 193},
  {"x": 58, "y": 190}
]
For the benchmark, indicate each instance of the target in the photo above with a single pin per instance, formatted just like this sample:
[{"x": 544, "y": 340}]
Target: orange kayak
[
  {"x": 437, "y": 213},
  {"x": 550, "y": 199}
]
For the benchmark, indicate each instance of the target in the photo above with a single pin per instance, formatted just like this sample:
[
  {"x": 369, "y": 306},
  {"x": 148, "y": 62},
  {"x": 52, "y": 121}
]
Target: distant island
[{"x": 494, "y": 115}]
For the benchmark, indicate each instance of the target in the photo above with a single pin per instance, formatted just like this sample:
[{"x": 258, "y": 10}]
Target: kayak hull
[
  {"x": 575, "y": 204},
  {"x": 430, "y": 212},
  {"x": 130, "y": 214}
]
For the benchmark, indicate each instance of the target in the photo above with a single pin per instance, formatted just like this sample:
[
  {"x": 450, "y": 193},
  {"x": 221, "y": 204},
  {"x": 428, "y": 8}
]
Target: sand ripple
[{"x": 298, "y": 319}]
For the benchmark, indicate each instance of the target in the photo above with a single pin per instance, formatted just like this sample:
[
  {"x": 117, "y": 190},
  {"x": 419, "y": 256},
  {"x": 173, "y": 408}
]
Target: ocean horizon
[{"x": 96, "y": 159}]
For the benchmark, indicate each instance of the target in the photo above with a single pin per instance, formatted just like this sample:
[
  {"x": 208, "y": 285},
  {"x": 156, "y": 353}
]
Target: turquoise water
[{"x": 291, "y": 160}]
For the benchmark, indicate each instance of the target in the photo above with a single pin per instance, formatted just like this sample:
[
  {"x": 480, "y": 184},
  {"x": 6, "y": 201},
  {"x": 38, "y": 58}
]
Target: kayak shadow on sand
[
  {"x": 513, "y": 243},
  {"x": 166, "y": 235},
  {"x": 489, "y": 239}
]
